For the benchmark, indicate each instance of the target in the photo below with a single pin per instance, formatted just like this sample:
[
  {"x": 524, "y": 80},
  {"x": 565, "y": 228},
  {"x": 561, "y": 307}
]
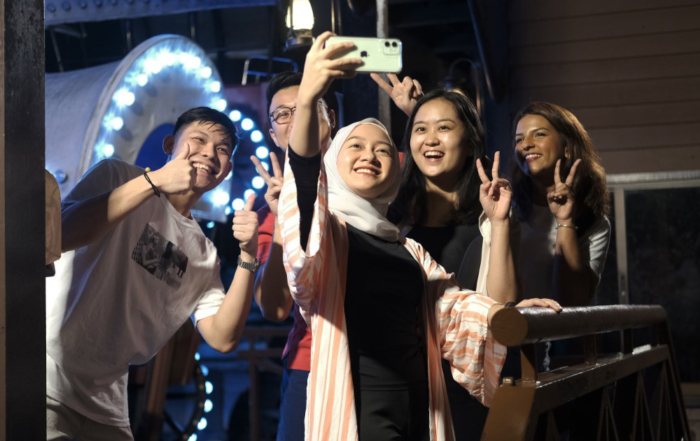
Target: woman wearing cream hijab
[{"x": 383, "y": 314}]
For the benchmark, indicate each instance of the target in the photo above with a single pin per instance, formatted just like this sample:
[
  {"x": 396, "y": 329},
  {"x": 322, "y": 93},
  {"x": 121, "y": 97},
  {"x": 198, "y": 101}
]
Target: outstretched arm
[
  {"x": 86, "y": 221},
  {"x": 223, "y": 330},
  {"x": 462, "y": 319}
]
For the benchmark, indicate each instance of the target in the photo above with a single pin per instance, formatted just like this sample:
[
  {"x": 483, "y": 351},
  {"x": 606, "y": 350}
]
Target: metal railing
[{"x": 632, "y": 395}]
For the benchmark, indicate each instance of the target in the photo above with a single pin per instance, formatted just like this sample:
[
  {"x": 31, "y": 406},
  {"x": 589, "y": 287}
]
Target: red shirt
[{"x": 298, "y": 347}]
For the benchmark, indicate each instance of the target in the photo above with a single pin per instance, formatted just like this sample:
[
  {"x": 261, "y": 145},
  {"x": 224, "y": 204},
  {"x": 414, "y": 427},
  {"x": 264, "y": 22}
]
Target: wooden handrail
[
  {"x": 517, "y": 327},
  {"x": 631, "y": 395}
]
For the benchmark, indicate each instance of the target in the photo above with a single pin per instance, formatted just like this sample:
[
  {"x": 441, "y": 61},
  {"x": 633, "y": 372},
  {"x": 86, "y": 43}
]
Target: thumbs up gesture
[
  {"x": 245, "y": 227},
  {"x": 178, "y": 175}
]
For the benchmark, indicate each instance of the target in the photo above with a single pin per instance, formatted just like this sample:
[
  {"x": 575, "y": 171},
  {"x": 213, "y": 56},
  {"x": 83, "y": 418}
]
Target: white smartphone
[{"x": 378, "y": 54}]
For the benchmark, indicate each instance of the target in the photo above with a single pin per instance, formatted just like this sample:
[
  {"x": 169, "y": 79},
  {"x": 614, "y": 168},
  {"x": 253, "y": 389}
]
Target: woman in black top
[{"x": 447, "y": 202}]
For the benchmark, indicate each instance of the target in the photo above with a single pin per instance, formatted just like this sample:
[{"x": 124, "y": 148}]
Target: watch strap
[{"x": 250, "y": 266}]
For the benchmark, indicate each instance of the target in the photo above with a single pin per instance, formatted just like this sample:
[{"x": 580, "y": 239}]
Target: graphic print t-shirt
[{"x": 119, "y": 300}]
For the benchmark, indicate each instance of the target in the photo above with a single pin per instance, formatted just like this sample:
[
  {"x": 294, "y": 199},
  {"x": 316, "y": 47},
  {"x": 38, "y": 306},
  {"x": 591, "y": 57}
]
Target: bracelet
[
  {"x": 567, "y": 226},
  {"x": 155, "y": 189}
]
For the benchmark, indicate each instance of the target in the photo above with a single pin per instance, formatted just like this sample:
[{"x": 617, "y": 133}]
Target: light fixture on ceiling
[{"x": 300, "y": 22}]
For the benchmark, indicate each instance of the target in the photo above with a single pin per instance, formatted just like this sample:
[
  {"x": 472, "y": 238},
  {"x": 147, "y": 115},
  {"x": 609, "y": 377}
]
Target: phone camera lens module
[
  {"x": 386, "y": 43},
  {"x": 394, "y": 44}
]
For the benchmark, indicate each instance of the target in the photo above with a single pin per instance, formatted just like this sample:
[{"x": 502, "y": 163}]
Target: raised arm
[
  {"x": 573, "y": 280},
  {"x": 223, "y": 330},
  {"x": 271, "y": 289},
  {"x": 319, "y": 72},
  {"x": 495, "y": 196},
  {"x": 86, "y": 221}
]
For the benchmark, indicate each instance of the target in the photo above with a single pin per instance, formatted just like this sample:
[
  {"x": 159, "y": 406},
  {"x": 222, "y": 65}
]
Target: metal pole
[
  {"x": 384, "y": 100},
  {"x": 621, "y": 245}
]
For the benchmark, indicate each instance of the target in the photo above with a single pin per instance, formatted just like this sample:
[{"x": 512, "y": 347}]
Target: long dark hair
[
  {"x": 590, "y": 190},
  {"x": 411, "y": 205}
]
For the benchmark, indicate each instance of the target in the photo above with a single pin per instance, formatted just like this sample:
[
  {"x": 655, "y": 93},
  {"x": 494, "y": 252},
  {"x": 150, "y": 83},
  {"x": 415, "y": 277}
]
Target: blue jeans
[{"x": 293, "y": 404}]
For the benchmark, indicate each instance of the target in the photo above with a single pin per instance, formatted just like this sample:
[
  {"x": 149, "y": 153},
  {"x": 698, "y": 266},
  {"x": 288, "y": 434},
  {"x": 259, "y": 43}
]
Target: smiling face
[
  {"x": 287, "y": 98},
  {"x": 538, "y": 146},
  {"x": 210, "y": 151},
  {"x": 366, "y": 161},
  {"x": 438, "y": 142}
]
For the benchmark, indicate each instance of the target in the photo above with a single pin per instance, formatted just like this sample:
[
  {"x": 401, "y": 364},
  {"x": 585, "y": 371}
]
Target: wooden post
[{"x": 22, "y": 234}]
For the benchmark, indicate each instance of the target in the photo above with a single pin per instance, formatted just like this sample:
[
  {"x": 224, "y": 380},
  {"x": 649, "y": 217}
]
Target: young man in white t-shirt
[{"x": 135, "y": 266}]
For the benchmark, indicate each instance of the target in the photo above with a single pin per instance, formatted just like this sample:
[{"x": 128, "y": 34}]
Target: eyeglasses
[{"x": 283, "y": 114}]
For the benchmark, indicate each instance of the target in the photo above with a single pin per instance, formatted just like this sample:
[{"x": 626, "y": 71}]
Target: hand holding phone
[
  {"x": 377, "y": 54},
  {"x": 322, "y": 66}
]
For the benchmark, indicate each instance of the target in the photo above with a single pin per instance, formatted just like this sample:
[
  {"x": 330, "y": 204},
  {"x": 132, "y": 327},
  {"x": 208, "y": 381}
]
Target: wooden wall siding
[{"x": 629, "y": 69}]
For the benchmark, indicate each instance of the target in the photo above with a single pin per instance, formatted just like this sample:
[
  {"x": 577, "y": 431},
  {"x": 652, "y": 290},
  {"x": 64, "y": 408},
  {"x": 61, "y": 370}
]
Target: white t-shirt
[
  {"x": 118, "y": 300},
  {"x": 537, "y": 243}
]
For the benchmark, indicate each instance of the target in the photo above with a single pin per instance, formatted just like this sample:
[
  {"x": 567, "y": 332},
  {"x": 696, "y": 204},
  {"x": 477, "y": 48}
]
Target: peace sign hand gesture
[
  {"x": 495, "y": 195},
  {"x": 274, "y": 182},
  {"x": 405, "y": 94},
  {"x": 561, "y": 200}
]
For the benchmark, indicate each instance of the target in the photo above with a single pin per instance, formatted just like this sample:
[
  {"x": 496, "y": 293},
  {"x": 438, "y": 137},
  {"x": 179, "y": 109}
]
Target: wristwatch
[{"x": 250, "y": 266}]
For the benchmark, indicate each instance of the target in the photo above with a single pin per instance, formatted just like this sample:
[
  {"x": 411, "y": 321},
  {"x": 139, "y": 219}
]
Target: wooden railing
[
  {"x": 260, "y": 360},
  {"x": 630, "y": 395}
]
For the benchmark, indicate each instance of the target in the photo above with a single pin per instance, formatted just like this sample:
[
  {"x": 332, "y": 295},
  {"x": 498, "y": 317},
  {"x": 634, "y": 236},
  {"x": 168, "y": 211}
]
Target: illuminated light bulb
[
  {"x": 227, "y": 211},
  {"x": 202, "y": 424},
  {"x": 210, "y": 225},
  {"x": 197, "y": 356},
  {"x": 258, "y": 182},
  {"x": 168, "y": 58},
  {"x": 256, "y": 136},
  {"x": 116, "y": 123},
  {"x": 205, "y": 72},
  {"x": 247, "y": 124},
  {"x": 124, "y": 97},
  {"x": 208, "y": 387},
  {"x": 193, "y": 437},
  {"x": 183, "y": 57},
  {"x": 107, "y": 150},
  {"x": 142, "y": 80},
  {"x": 192, "y": 62},
  {"x": 208, "y": 406},
  {"x": 238, "y": 204},
  {"x": 235, "y": 115},
  {"x": 215, "y": 86},
  {"x": 247, "y": 194},
  {"x": 205, "y": 371},
  {"x": 265, "y": 166},
  {"x": 229, "y": 176},
  {"x": 303, "y": 15},
  {"x": 262, "y": 152},
  {"x": 151, "y": 65},
  {"x": 220, "y": 105},
  {"x": 220, "y": 197}
]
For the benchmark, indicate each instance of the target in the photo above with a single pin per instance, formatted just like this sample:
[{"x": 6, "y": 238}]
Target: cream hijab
[{"x": 368, "y": 215}]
